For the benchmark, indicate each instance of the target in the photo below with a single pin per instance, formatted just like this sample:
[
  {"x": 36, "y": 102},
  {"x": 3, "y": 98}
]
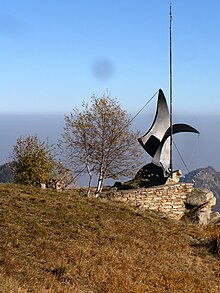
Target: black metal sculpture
[{"x": 156, "y": 141}]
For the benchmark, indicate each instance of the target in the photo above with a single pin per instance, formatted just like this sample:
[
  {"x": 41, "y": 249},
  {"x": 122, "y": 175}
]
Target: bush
[{"x": 33, "y": 161}]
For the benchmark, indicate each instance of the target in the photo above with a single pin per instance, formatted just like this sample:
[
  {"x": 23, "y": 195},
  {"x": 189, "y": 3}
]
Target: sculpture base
[{"x": 148, "y": 176}]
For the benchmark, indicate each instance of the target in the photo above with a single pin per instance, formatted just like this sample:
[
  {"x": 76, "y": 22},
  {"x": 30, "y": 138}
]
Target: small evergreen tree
[{"x": 32, "y": 161}]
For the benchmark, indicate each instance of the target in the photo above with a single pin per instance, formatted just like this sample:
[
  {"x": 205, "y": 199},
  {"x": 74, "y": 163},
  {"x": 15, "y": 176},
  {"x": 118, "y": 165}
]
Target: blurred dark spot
[{"x": 103, "y": 69}]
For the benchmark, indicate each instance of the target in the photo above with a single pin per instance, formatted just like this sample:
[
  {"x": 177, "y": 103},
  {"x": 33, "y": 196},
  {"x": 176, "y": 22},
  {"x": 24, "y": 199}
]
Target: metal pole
[{"x": 171, "y": 95}]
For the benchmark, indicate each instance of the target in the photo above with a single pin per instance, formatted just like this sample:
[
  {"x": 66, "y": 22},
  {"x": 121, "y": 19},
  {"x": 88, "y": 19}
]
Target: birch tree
[
  {"x": 99, "y": 139},
  {"x": 76, "y": 143}
]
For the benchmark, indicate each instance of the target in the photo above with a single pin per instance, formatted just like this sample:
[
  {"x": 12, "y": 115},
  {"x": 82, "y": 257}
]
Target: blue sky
[{"x": 54, "y": 54}]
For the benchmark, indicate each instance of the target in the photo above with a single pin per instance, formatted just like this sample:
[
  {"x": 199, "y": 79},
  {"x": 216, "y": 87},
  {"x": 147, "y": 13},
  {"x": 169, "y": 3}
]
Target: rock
[
  {"x": 202, "y": 216},
  {"x": 43, "y": 186},
  {"x": 175, "y": 177},
  {"x": 198, "y": 197},
  {"x": 60, "y": 185},
  {"x": 206, "y": 178},
  {"x": 215, "y": 218},
  {"x": 200, "y": 202},
  {"x": 55, "y": 184}
]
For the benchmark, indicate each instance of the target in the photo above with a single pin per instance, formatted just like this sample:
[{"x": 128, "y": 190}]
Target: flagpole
[{"x": 171, "y": 95}]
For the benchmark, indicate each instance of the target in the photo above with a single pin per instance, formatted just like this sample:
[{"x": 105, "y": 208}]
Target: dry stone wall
[{"x": 167, "y": 199}]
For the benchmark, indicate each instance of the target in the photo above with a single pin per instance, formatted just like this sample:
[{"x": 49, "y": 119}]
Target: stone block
[
  {"x": 153, "y": 208},
  {"x": 177, "y": 206}
]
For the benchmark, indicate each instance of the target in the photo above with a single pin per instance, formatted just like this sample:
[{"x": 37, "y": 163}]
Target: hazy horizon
[{"x": 197, "y": 151}]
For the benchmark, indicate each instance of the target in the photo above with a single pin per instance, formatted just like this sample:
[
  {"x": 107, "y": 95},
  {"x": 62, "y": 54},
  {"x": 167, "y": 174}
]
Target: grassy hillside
[{"x": 62, "y": 242}]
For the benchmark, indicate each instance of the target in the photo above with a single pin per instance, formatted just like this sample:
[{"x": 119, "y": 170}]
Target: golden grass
[{"x": 62, "y": 242}]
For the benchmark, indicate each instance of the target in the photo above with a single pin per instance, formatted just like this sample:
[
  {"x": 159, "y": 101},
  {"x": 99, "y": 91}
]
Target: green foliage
[{"x": 33, "y": 161}]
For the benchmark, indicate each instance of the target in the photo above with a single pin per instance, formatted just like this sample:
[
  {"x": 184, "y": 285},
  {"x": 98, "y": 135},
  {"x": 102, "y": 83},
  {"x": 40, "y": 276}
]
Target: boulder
[
  {"x": 215, "y": 218},
  {"x": 198, "y": 197},
  {"x": 202, "y": 216},
  {"x": 199, "y": 202}
]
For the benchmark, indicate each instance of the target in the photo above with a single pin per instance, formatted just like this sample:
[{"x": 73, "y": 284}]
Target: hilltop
[
  {"x": 202, "y": 178},
  {"x": 63, "y": 242}
]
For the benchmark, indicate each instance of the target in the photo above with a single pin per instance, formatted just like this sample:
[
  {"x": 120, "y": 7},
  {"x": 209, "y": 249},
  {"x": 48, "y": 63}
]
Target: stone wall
[{"x": 167, "y": 199}]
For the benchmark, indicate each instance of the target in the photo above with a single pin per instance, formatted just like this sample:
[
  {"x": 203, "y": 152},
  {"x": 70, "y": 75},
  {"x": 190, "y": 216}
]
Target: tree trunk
[
  {"x": 99, "y": 185},
  {"x": 90, "y": 180}
]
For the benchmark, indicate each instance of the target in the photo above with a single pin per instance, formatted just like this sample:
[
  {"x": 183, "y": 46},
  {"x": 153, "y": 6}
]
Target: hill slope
[{"x": 62, "y": 242}]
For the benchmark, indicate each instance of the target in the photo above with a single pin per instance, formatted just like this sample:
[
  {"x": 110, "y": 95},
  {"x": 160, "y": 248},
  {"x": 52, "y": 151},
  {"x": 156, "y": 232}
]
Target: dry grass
[{"x": 63, "y": 242}]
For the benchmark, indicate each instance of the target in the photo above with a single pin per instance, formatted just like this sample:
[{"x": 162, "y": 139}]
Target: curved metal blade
[
  {"x": 162, "y": 156},
  {"x": 151, "y": 140}
]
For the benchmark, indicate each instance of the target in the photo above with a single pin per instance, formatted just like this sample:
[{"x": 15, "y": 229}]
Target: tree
[
  {"x": 32, "y": 160},
  {"x": 62, "y": 175},
  {"x": 99, "y": 139}
]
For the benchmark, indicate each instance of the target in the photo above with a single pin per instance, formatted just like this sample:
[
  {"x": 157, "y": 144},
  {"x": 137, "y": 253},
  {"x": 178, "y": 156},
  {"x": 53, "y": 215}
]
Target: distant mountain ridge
[
  {"x": 206, "y": 178},
  {"x": 6, "y": 174}
]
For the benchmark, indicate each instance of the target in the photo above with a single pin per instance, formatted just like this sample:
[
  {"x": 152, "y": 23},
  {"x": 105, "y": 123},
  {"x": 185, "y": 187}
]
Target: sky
[{"x": 56, "y": 54}]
